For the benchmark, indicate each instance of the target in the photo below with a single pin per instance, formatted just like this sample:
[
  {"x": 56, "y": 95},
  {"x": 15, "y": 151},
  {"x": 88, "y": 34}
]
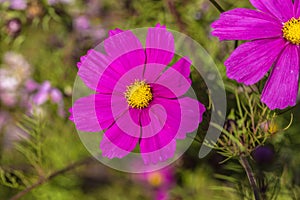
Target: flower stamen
[
  {"x": 291, "y": 30},
  {"x": 155, "y": 179},
  {"x": 138, "y": 94}
]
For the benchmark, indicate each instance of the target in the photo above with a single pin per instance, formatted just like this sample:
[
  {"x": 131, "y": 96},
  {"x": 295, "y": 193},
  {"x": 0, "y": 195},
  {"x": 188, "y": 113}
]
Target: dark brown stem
[
  {"x": 220, "y": 9},
  {"x": 244, "y": 162},
  {"x": 51, "y": 176},
  {"x": 236, "y": 44},
  {"x": 176, "y": 15}
]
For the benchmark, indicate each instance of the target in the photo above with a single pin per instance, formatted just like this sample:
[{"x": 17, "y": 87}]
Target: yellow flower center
[
  {"x": 138, "y": 94},
  {"x": 273, "y": 127},
  {"x": 155, "y": 179},
  {"x": 291, "y": 30}
]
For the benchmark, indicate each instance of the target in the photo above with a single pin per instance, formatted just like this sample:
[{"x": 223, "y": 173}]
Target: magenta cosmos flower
[
  {"x": 274, "y": 34},
  {"x": 138, "y": 100}
]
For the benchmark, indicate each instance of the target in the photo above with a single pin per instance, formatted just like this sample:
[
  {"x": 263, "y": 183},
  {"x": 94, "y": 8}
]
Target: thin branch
[
  {"x": 244, "y": 162},
  {"x": 236, "y": 44},
  {"x": 176, "y": 15},
  {"x": 51, "y": 176},
  {"x": 217, "y": 5}
]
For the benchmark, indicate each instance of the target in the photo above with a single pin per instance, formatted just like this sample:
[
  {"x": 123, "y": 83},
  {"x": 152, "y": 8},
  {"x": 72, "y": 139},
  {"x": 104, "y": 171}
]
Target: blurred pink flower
[
  {"x": 85, "y": 29},
  {"x": 16, "y": 4},
  {"x": 31, "y": 85},
  {"x": 160, "y": 181},
  {"x": 14, "y": 27},
  {"x": 42, "y": 94},
  {"x": 9, "y": 99},
  {"x": 15, "y": 70},
  {"x": 45, "y": 92},
  {"x": 81, "y": 23},
  {"x": 138, "y": 99}
]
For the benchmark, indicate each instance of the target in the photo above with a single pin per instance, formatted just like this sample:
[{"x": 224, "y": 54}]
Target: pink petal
[
  {"x": 297, "y": 8},
  {"x": 154, "y": 147},
  {"x": 111, "y": 81},
  {"x": 101, "y": 72},
  {"x": 119, "y": 86},
  {"x": 153, "y": 71},
  {"x": 83, "y": 114},
  {"x": 153, "y": 119},
  {"x": 116, "y": 143},
  {"x": 161, "y": 91},
  {"x": 246, "y": 24},
  {"x": 281, "y": 88},
  {"x": 109, "y": 108},
  {"x": 282, "y": 10},
  {"x": 252, "y": 60},
  {"x": 93, "y": 113},
  {"x": 258, "y": 4},
  {"x": 159, "y": 155},
  {"x": 159, "y": 45},
  {"x": 183, "y": 67},
  {"x": 191, "y": 115},
  {"x": 125, "y": 47},
  {"x": 176, "y": 78},
  {"x": 129, "y": 122},
  {"x": 82, "y": 59},
  {"x": 92, "y": 68},
  {"x": 115, "y": 32}
]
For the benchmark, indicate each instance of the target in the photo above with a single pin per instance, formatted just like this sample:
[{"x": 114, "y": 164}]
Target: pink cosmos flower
[
  {"x": 274, "y": 33},
  {"x": 161, "y": 181},
  {"x": 138, "y": 99}
]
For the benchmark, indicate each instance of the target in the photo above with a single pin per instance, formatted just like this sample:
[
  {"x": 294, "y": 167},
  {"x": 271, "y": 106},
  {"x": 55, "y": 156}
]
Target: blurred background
[{"x": 40, "y": 43}]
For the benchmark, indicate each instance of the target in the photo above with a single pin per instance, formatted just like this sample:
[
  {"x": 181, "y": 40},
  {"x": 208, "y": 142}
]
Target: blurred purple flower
[
  {"x": 81, "y": 23},
  {"x": 14, "y": 72},
  {"x": 43, "y": 93},
  {"x": 9, "y": 99},
  {"x": 17, "y": 66},
  {"x": 162, "y": 195},
  {"x": 31, "y": 85},
  {"x": 97, "y": 33},
  {"x": 13, "y": 27},
  {"x": 56, "y": 95},
  {"x": 16, "y": 4},
  {"x": 263, "y": 155}
]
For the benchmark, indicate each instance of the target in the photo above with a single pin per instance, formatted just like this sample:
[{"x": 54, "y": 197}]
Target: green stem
[
  {"x": 51, "y": 176},
  {"x": 244, "y": 162}
]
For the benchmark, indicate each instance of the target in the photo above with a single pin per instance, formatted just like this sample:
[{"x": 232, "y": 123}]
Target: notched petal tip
[
  {"x": 158, "y": 25},
  {"x": 114, "y": 32},
  {"x": 71, "y": 117}
]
